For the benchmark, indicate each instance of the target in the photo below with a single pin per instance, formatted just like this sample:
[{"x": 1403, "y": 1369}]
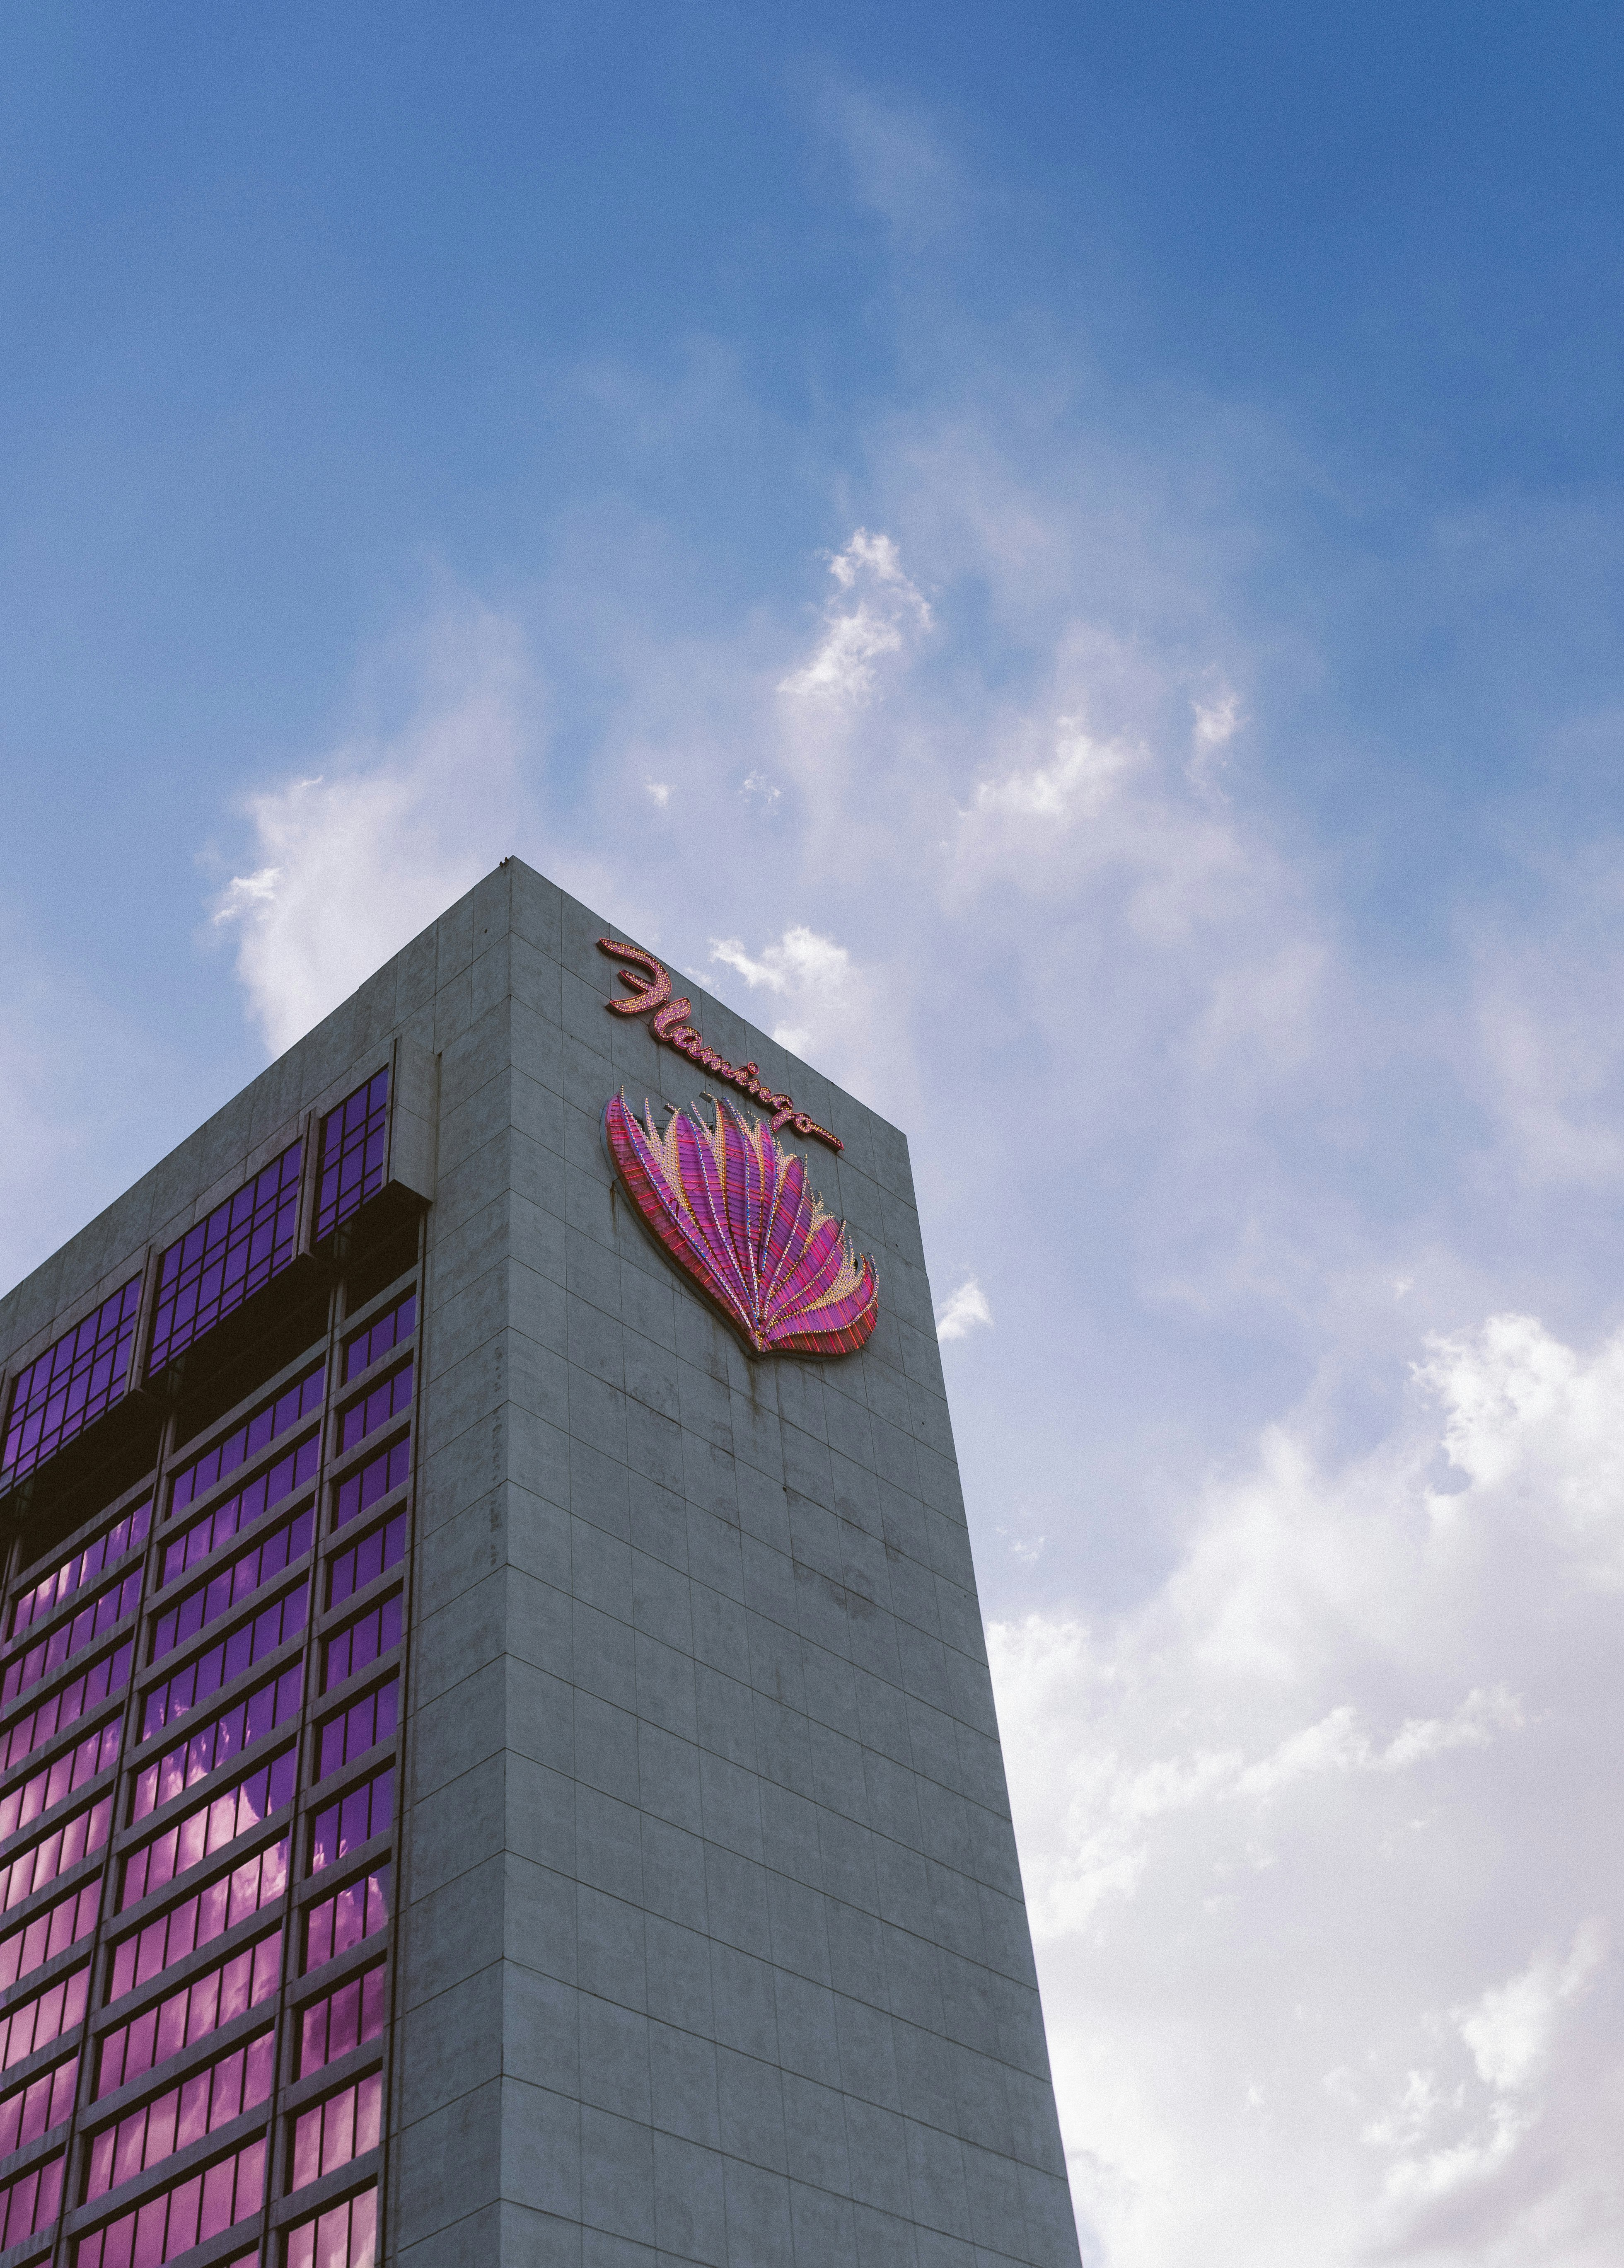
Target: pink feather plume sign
[{"x": 736, "y": 1213}]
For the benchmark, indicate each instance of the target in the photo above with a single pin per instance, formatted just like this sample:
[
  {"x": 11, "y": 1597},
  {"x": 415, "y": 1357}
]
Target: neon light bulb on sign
[{"x": 651, "y": 990}]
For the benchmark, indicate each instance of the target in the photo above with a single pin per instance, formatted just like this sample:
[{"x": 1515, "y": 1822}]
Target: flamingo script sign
[{"x": 731, "y": 1205}]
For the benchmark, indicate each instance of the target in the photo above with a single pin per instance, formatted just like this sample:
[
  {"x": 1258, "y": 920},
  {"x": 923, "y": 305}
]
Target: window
[
  {"x": 207, "y": 1914},
  {"x": 195, "y": 1542},
  {"x": 356, "y": 1644},
  {"x": 21, "y": 1806},
  {"x": 56, "y": 1588},
  {"x": 332, "y": 2131},
  {"x": 353, "y": 1731},
  {"x": 349, "y": 1571},
  {"x": 238, "y": 1579},
  {"x": 64, "y": 1846},
  {"x": 218, "y": 1739},
  {"x": 37, "y": 2023},
  {"x": 238, "y": 2081},
  {"x": 357, "y": 1816},
  {"x": 344, "y": 2236},
  {"x": 54, "y": 1714},
  {"x": 256, "y": 1434},
  {"x": 70, "y": 1637},
  {"x": 188, "y": 2214},
  {"x": 71, "y": 1383},
  {"x": 214, "y": 1825},
  {"x": 238, "y": 1650},
  {"x": 333, "y": 1925},
  {"x": 362, "y": 1490},
  {"x": 354, "y": 1138},
  {"x": 44, "y": 1935},
  {"x": 341, "y": 2020},
  {"x": 388, "y": 1399},
  {"x": 221, "y": 1994},
  {"x": 208, "y": 1273},
  {"x": 370, "y": 1346},
  {"x": 35, "y": 2109},
  {"x": 31, "y": 2201}
]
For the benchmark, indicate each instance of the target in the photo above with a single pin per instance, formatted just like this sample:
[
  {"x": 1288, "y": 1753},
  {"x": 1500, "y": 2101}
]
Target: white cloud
[
  {"x": 799, "y": 959},
  {"x": 248, "y": 893},
  {"x": 1217, "y": 721},
  {"x": 1255, "y": 1893},
  {"x": 964, "y": 1311},
  {"x": 876, "y": 608},
  {"x": 902, "y": 170},
  {"x": 659, "y": 792},
  {"x": 760, "y": 791},
  {"x": 814, "y": 978},
  {"x": 356, "y": 859},
  {"x": 1077, "y": 782}
]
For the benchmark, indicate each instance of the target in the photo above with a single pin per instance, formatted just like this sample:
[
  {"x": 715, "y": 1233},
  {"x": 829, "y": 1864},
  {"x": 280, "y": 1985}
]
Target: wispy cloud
[
  {"x": 359, "y": 858},
  {"x": 963, "y": 1311},
  {"x": 875, "y": 609}
]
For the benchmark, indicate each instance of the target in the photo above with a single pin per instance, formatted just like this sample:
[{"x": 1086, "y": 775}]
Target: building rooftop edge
[{"x": 252, "y": 1125}]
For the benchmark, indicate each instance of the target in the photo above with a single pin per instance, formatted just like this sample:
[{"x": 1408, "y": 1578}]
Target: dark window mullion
[
  {"x": 389, "y": 2124},
  {"x": 285, "y": 1992},
  {"x": 83, "y": 2098}
]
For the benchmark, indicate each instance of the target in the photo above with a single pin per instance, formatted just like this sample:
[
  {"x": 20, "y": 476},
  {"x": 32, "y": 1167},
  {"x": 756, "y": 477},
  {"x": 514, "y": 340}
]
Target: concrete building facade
[{"x": 491, "y": 1770}]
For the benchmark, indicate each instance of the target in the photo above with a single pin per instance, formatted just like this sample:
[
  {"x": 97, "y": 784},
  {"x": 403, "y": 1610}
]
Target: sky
[{"x": 1068, "y": 560}]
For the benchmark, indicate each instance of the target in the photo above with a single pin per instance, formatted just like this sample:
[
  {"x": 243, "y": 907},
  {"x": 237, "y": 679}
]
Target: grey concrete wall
[{"x": 715, "y": 1943}]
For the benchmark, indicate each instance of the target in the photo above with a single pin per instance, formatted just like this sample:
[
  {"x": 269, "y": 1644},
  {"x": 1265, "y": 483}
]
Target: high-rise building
[{"x": 498, "y": 1762}]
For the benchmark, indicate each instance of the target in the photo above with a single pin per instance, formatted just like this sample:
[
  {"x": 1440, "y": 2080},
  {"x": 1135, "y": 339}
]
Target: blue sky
[{"x": 1070, "y": 560}]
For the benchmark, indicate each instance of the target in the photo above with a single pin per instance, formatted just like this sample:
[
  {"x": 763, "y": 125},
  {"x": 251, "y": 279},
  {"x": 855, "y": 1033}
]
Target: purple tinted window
[
  {"x": 68, "y": 1638},
  {"x": 219, "y": 1997},
  {"x": 83, "y": 1374},
  {"x": 238, "y": 1650},
  {"x": 37, "y": 2023},
  {"x": 342, "y": 1827},
  {"x": 45, "y": 1935},
  {"x": 359, "y": 1643},
  {"x": 236, "y": 2081},
  {"x": 21, "y": 1804},
  {"x": 329, "y": 2134},
  {"x": 341, "y": 2020},
  {"x": 212, "y": 1269},
  {"x": 59, "y": 1710},
  {"x": 199, "y": 1920},
  {"x": 370, "y": 1346},
  {"x": 388, "y": 1399},
  {"x": 239, "y": 1510},
  {"x": 344, "y": 2236},
  {"x": 35, "y": 2109},
  {"x": 188, "y": 2212},
  {"x": 368, "y": 1481},
  {"x": 53, "y": 1590},
  {"x": 293, "y": 1403},
  {"x": 232, "y": 1811},
  {"x": 37, "y": 1867},
  {"x": 216, "y": 1739},
  {"x": 384, "y": 1547},
  {"x": 31, "y": 2201},
  {"x": 236, "y": 1581},
  {"x": 353, "y": 1731},
  {"x": 354, "y": 1138},
  {"x": 333, "y": 1925}
]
